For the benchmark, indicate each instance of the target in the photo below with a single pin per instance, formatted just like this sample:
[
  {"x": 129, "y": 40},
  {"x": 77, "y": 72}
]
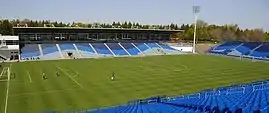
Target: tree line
[{"x": 205, "y": 31}]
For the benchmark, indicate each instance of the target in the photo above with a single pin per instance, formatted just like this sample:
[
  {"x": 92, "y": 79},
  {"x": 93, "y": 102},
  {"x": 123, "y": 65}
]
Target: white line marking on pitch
[
  {"x": 29, "y": 76},
  {"x": 7, "y": 94},
  {"x": 70, "y": 77}
]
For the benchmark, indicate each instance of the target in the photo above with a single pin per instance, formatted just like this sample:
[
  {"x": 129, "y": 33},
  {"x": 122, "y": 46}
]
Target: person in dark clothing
[
  {"x": 57, "y": 73},
  {"x": 44, "y": 76},
  {"x": 113, "y": 76}
]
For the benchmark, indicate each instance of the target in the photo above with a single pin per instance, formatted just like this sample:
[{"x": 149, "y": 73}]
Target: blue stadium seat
[
  {"x": 149, "y": 48},
  {"x": 141, "y": 46},
  {"x": 50, "y": 51},
  {"x": 262, "y": 51},
  {"x": 67, "y": 46},
  {"x": 225, "y": 48},
  {"x": 247, "y": 47},
  {"x": 153, "y": 45},
  {"x": 101, "y": 48},
  {"x": 85, "y": 49},
  {"x": 255, "y": 50},
  {"x": 130, "y": 48},
  {"x": 228, "y": 45},
  {"x": 49, "y": 48},
  {"x": 167, "y": 47},
  {"x": 29, "y": 51},
  {"x": 246, "y": 98},
  {"x": 116, "y": 49},
  {"x": 251, "y": 45}
]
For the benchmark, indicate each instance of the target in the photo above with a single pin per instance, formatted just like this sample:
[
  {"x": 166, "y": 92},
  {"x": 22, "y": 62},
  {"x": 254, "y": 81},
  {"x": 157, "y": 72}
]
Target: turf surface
[{"x": 86, "y": 84}]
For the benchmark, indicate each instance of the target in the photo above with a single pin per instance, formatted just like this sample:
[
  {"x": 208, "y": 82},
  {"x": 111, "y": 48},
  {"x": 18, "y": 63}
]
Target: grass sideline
[{"x": 86, "y": 84}]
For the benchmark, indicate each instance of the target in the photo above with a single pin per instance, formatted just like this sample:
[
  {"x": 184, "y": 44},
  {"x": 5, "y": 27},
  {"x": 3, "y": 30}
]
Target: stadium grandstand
[
  {"x": 67, "y": 42},
  {"x": 253, "y": 50}
]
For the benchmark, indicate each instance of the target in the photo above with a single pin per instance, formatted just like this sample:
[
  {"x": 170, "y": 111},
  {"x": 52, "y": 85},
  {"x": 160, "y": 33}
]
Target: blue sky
[{"x": 245, "y": 13}]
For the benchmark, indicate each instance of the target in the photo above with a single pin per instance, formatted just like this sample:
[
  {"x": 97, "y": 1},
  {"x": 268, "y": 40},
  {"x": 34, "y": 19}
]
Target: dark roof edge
[{"x": 96, "y": 28}]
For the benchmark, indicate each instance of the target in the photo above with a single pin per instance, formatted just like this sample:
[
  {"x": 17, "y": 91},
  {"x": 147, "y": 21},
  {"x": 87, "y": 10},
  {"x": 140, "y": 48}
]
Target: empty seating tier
[
  {"x": 85, "y": 49},
  {"x": 90, "y": 50},
  {"x": 141, "y": 46},
  {"x": 101, "y": 48},
  {"x": 153, "y": 45},
  {"x": 256, "y": 50},
  {"x": 67, "y": 47},
  {"x": 116, "y": 49},
  {"x": 166, "y": 47},
  {"x": 30, "y": 50},
  {"x": 130, "y": 48},
  {"x": 262, "y": 51},
  {"x": 49, "y": 48},
  {"x": 263, "y": 48},
  {"x": 228, "y": 45},
  {"x": 50, "y": 52},
  {"x": 251, "y": 45},
  {"x": 244, "y": 98},
  {"x": 247, "y": 47}
]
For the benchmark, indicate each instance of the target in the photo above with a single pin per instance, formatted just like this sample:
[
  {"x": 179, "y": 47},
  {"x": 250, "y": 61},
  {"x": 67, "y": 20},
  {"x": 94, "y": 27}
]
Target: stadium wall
[{"x": 183, "y": 49}]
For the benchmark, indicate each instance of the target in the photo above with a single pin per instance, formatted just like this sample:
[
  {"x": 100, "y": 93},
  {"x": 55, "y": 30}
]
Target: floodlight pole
[{"x": 196, "y": 10}]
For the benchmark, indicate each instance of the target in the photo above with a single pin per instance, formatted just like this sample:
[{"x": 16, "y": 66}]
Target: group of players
[{"x": 44, "y": 75}]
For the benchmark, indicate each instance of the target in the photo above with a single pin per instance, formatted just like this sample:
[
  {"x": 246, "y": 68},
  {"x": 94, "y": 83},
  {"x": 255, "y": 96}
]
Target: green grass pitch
[{"x": 86, "y": 84}]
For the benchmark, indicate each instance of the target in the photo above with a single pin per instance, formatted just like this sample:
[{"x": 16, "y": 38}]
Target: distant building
[{"x": 9, "y": 47}]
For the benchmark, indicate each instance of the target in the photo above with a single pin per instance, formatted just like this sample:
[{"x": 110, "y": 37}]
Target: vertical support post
[{"x": 196, "y": 10}]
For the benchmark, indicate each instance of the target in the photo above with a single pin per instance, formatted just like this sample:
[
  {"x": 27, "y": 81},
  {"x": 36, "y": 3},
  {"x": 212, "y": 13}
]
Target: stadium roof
[
  {"x": 38, "y": 29},
  {"x": 95, "y": 28}
]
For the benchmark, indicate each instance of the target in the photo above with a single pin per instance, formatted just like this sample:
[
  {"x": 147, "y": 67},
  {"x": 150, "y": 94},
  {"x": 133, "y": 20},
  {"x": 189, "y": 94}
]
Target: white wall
[
  {"x": 13, "y": 47},
  {"x": 9, "y": 37},
  {"x": 184, "y": 49},
  {"x": 10, "y": 47}
]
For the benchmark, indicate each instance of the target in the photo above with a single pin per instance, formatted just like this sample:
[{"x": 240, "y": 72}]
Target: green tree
[
  {"x": 129, "y": 25},
  {"x": 124, "y": 25},
  {"x": 267, "y": 37},
  {"x": 6, "y": 28},
  {"x": 114, "y": 24}
]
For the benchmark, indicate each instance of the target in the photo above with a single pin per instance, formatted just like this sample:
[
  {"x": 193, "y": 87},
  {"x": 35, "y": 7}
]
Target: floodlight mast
[{"x": 196, "y": 10}]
